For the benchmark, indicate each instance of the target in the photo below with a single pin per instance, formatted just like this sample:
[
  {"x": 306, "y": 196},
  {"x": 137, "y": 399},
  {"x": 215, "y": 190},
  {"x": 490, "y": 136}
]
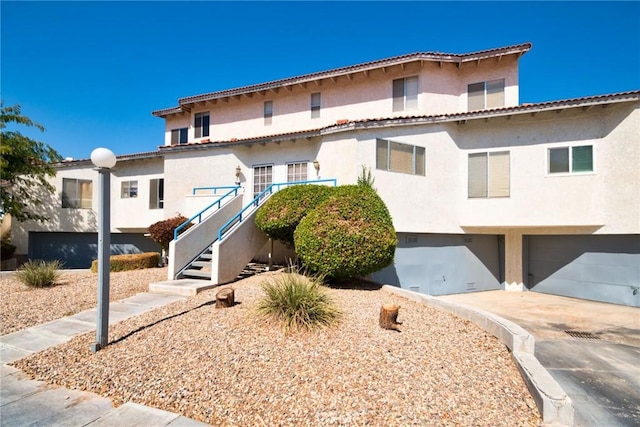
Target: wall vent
[
  {"x": 412, "y": 239},
  {"x": 471, "y": 286}
]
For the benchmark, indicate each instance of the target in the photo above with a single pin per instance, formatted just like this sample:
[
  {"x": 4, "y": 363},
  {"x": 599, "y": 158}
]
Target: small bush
[
  {"x": 349, "y": 235},
  {"x": 297, "y": 302},
  {"x": 281, "y": 214},
  {"x": 39, "y": 273},
  {"x": 161, "y": 232},
  {"x": 130, "y": 262}
]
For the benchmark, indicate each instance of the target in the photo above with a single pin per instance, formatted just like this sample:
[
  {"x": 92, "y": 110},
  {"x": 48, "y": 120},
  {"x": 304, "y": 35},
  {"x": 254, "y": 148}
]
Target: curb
[{"x": 553, "y": 403}]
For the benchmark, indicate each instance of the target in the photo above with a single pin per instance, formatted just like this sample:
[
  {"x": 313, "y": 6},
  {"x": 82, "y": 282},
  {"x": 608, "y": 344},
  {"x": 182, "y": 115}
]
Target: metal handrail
[
  {"x": 218, "y": 202},
  {"x": 256, "y": 201},
  {"x": 215, "y": 189}
]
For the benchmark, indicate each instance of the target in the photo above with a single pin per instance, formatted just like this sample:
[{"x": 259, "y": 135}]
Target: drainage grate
[{"x": 582, "y": 335}]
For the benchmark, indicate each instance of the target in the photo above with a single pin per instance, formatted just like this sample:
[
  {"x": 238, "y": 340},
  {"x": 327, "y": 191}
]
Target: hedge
[
  {"x": 130, "y": 262},
  {"x": 282, "y": 212},
  {"x": 348, "y": 235}
]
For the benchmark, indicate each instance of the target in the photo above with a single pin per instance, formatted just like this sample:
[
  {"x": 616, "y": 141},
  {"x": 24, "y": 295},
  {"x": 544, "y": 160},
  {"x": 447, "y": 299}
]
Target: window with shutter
[
  {"x": 397, "y": 157},
  {"x": 405, "y": 94},
  {"x": 489, "y": 175}
]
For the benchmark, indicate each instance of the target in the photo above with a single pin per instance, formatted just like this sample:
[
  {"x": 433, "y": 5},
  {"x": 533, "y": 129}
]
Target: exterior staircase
[
  {"x": 200, "y": 268},
  {"x": 218, "y": 248}
]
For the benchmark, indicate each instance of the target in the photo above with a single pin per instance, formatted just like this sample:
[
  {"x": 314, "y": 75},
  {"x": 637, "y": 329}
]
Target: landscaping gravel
[
  {"x": 227, "y": 367},
  {"x": 22, "y": 307}
]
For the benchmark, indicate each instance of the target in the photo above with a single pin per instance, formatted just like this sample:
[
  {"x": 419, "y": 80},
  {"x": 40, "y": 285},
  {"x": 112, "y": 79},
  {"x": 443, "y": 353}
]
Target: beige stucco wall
[
  {"x": 442, "y": 89},
  {"x": 603, "y": 202},
  {"x": 127, "y": 215}
]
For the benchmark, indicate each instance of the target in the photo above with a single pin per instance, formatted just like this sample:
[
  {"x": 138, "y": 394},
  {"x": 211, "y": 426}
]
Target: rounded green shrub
[
  {"x": 281, "y": 214},
  {"x": 348, "y": 235}
]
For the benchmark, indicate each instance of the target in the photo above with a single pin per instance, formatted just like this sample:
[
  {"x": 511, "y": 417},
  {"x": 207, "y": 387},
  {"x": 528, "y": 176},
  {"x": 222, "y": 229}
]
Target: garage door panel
[
  {"x": 600, "y": 268},
  {"x": 78, "y": 250}
]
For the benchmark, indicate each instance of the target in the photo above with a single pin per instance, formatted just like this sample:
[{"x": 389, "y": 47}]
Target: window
[
  {"x": 570, "y": 159},
  {"x": 76, "y": 193},
  {"x": 405, "y": 94},
  {"x": 268, "y": 112},
  {"x": 156, "y": 193},
  {"x": 201, "y": 125},
  {"x": 262, "y": 178},
  {"x": 485, "y": 95},
  {"x": 315, "y": 105},
  {"x": 129, "y": 189},
  {"x": 296, "y": 172},
  {"x": 179, "y": 136},
  {"x": 489, "y": 175},
  {"x": 397, "y": 157}
]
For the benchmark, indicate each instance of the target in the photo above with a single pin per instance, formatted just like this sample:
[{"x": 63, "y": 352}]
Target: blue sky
[{"x": 92, "y": 72}]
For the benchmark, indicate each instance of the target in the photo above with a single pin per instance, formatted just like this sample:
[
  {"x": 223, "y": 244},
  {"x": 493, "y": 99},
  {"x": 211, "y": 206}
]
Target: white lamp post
[{"x": 104, "y": 160}]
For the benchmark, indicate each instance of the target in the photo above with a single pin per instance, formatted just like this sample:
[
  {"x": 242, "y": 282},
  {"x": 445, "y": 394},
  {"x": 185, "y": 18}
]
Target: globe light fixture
[{"x": 103, "y": 158}]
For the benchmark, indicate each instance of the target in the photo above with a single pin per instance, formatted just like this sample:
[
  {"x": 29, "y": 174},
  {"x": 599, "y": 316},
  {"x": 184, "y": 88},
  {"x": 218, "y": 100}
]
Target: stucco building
[{"x": 485, "y": 192}]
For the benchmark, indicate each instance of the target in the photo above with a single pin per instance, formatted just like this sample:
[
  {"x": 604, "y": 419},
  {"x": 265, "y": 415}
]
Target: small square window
[
  {"x": 179, "y": 136},
  {"x": 129, "y": 189}
]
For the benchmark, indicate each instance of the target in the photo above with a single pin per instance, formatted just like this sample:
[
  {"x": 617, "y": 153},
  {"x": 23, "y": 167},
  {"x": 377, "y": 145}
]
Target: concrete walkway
[
  {"x": 27, "y": 402},
  {"x": 598, "y": 367}
]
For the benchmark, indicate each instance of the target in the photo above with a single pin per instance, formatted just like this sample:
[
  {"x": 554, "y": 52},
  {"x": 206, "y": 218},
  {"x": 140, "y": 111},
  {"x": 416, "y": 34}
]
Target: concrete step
[
  {"x": 201, "y": 264},
  {"x": 184, "y": 287},
  {"x": 196, "y": 273},
  {"x": 206, "y": 256}
]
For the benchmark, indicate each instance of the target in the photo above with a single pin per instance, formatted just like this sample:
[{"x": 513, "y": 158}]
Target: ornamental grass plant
[
  {"x": 39, "y": 273},
  {"x": 297, "y": 302}
]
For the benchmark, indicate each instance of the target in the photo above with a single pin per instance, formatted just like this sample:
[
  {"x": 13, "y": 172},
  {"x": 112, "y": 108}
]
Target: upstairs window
[
  {"x": 485, "y": 95},
  {"x": 76, "y": 193},
  {"x": 570, "y": 159},
  {"x": 201, "y": 125},
  {"x": 396, "y": 157},
  {"x": 297, "y": 172},
  {"x": 315, "y": 105},
  {"x": 129, "y": 189},
  {"x": 489, "y": 175},
  {"x": 156, "y": 193},
  {"x": 405, "y": 94},
  {"x": 262, "y": 178},
  {"x": 179, "y": 136},
  {"x": 268, "y": 112}
]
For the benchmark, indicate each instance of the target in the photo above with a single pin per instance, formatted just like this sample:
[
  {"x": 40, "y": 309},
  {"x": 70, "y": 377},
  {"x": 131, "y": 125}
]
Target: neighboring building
[{"x": 485, "y": 193}]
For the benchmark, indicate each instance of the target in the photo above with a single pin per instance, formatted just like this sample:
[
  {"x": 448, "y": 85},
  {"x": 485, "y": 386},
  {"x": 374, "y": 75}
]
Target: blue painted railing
[
  {"x": 256, "y": 201},
  {"x": 215, "y": 189},
  {"x": 198, "y": 216}
]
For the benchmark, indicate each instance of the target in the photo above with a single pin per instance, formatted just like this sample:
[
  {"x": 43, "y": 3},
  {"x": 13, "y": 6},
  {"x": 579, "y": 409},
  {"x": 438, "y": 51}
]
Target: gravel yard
[
  {"x": 226, "y": 367},
  {"x": 22, "y": 307}
]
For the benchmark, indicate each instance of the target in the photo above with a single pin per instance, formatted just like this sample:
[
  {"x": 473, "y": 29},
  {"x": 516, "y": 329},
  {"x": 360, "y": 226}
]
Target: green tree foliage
[
  {"x": 281, "y": 214},
  {"x": 25, "y": 165},
  {"x": 161, "y": 232},
  {"x": 348, "y": 235}
]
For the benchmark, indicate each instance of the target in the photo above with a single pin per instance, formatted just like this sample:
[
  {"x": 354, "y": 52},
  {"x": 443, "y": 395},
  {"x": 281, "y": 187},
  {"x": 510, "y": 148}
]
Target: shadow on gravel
[{"x": 142, "y": 328}]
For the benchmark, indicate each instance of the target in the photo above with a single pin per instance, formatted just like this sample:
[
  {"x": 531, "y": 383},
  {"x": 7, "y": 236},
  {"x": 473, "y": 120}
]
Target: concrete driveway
[{"x": 592, "y": 349}]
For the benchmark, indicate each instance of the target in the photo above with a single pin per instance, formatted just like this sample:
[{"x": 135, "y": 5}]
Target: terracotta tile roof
[
  {"x": 418, "y": 119},
  {"x": 519, "y": 49}
]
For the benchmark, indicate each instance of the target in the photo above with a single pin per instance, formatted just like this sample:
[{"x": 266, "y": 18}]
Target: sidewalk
[{"x": 29, "y": 402}]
